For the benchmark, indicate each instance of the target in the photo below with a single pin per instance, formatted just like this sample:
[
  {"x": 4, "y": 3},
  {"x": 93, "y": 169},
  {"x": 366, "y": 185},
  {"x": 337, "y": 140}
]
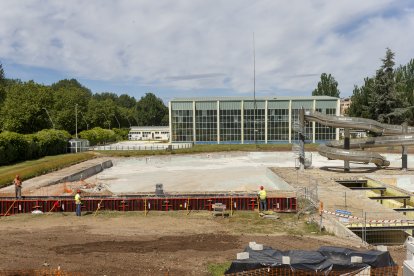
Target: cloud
[
  {"x": 163, "y": 43},
  {"x": 195, "y": 77}
]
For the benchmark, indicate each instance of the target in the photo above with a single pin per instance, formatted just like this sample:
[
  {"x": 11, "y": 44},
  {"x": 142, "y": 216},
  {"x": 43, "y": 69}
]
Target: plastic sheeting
[{"x": 324, "y": 260}]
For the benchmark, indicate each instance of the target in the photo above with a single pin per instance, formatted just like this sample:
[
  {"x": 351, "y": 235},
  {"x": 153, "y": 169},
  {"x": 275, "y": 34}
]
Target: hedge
[{"x": 15, "y": 147}]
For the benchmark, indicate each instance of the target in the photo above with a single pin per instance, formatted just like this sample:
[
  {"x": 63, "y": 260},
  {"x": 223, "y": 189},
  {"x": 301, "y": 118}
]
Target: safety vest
[
  {"x": 77, "y": 199},
  {"x": 262, "y": 194}
]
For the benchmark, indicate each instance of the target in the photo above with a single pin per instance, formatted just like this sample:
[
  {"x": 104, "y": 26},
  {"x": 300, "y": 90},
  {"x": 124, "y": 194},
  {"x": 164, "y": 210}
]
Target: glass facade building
[{"x": 236, "y": 120}]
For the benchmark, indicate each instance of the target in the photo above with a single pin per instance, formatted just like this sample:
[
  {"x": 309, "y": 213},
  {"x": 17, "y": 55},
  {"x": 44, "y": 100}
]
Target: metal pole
[
  {"x": 254, "y": 91},
  {"x": 404, "y": 149},
  {"x": 50, "y": 118},
  {"x": 76, "y": 122},
  {"x": 119, "y": 125},
  {"x": 346, "y": 147}
]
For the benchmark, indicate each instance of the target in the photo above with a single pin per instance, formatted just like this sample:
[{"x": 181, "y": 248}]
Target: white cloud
[{"x": 208, "y": 44}]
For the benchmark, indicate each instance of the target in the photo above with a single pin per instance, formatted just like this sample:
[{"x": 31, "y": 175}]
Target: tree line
[
  {"x": 28, "y": 107},
  {"x": 387, "y": 96}
]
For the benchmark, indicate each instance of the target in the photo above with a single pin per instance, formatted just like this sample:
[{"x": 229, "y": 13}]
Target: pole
[
  {"x": 50, "y": 118},
  {"x": 76, "y": 122},
  {"x": 347, "y": 141},
  {"x": 119, "y": 125},
  {"x": 254, "y": 91}
]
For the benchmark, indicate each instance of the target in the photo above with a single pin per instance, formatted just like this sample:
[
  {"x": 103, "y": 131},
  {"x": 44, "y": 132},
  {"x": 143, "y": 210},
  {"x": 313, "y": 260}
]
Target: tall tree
[
  {"x": 2, "y": 85},
  {"x": 151, "y": 111},
  {"x": 385, "y": 98},
  {"x": 360, "y": 100},
  {"x": 22, "y": 111},
  {"x": 327, "y": 86}
]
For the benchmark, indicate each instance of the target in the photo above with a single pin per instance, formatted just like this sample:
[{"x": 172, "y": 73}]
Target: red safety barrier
[{"x": 10, "y": 207}]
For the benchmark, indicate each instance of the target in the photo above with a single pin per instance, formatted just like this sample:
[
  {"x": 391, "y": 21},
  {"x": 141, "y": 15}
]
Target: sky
[{"x": 194, "y": 48}]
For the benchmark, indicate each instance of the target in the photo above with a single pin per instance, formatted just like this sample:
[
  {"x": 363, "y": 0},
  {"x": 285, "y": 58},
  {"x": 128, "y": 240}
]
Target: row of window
[{"x": 253, "y": 125}]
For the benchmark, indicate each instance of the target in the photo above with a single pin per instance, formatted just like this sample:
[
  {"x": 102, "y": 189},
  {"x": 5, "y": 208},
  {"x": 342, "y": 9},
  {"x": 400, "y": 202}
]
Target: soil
[{"x": 133, "y": 244}]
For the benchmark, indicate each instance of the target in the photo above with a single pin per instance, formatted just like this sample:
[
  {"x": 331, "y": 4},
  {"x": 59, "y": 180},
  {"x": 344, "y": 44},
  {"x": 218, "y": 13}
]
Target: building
[
  {"x": 157, "y": 133},
  {"x": 233, "y": 120},
  {"x": 78, "y": 145},
  {"x": 345, "y": 103}
]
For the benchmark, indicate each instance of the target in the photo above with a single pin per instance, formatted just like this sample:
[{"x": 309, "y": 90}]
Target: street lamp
[
  {"x": 119, "y": 125},
  {"x": 53, "y": 125},
  {"x": 106, "y": 118},
  {"x": 83, "y": 117},
  {"x": 76, "y": 122},
  {"x": 128, "y": 122}
]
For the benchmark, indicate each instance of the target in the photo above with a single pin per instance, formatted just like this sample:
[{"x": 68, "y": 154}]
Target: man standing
[
  {"x": 18, "y": 186},
  {"x": 78, "y": 203},
  {"x": 262, "y": 196}
]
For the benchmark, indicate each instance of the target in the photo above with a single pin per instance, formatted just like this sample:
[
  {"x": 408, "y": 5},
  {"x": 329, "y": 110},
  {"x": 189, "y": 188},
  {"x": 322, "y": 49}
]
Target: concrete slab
[{"x": 73, "y": 173}]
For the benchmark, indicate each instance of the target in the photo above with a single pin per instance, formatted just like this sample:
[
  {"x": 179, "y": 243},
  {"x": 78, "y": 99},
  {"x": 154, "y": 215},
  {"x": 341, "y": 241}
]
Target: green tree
[
  {"x": 2, "y": 85},
  {"x": 22, "y": 111},
  {"x": 385, "y": 98},
  {"x": 360, "y": 100},
  {"x": 327, "y": 86},
  {"x": 151, "y": 111}
]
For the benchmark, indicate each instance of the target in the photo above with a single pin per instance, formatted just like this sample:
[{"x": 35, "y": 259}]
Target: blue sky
[{"x": 202, "y": 48}]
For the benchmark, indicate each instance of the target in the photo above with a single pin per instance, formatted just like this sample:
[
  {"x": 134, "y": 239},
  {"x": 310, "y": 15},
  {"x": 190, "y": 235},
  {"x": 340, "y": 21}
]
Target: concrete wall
[
  {"x": 338, "y": 229},
  {"x": 85, "y": 173},
  {"x": 278, "y": 181}
]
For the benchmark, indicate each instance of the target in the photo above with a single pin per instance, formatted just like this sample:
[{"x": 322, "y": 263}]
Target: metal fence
[{"x": 144, "y": 147}]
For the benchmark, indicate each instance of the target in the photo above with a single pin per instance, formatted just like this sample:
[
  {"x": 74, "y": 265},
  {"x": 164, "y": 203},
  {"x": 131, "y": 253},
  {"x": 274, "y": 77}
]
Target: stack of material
[
  {"x": 219, "y": 209},
  {"x": 326, "y": 259}
]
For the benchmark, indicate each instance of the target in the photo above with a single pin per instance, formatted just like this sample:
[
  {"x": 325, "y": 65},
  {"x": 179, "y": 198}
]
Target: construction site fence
[
  {"x": 283, "y": 271},
  {"x": 144, "y": 147},
  {"x": 10, "y": 207}
]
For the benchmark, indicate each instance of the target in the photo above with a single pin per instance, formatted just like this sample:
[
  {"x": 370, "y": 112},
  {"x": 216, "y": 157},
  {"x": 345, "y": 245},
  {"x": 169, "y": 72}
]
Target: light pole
[
  {"x": 53, "y": 125},
  {"x": 76, "y": 121},
  {"x": 107, "y": 120},
  {"x": 119, "y": 125},
  {"x": 83, "y": 117}
]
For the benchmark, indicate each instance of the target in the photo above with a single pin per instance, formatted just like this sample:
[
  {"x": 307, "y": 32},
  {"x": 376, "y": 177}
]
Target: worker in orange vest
[{"x": 263, "y": 199}]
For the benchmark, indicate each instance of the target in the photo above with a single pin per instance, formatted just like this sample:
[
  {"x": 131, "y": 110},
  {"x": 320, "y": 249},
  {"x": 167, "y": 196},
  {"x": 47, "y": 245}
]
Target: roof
[
  {"x": 280, "y": 98},
  {"x": 163, "y": 128}
]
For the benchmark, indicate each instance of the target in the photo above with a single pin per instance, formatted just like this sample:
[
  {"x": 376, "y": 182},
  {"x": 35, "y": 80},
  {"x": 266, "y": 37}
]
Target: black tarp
[{"x": 325, "y": 259}]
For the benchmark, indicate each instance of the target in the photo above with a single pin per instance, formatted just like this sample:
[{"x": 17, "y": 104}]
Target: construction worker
[
  {"x": 262, "y": 197},
  {"x": 18, "y": 186},
  {"x": 78, "y": 203}
]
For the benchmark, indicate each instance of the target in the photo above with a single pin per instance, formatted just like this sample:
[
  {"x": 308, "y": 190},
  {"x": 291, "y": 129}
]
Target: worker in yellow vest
[
  {"x": 262, "y": 197},
  {"x": 78, "y": 203}
]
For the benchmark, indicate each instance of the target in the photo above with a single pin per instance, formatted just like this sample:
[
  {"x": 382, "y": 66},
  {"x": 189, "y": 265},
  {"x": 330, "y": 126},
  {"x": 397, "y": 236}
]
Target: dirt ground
[{"x": 161, "y": 243}]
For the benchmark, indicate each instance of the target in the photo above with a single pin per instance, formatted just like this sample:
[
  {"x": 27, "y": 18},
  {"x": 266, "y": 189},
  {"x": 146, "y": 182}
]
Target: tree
[
  {"x": 360, "y": 106},
  {"x": 385, "y": 98},
  {"x": 22, "y": 110},
  {"x": 151, "y": 111},
  {"x": 2, "y": 85},
  {"x": 327, "y": 86}
]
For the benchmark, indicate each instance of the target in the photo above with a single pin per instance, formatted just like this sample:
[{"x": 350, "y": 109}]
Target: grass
[
  {"x": 32, "y": 168},
  {"x": 208, "y": 148},
  {"x": 218, "y": 269}
]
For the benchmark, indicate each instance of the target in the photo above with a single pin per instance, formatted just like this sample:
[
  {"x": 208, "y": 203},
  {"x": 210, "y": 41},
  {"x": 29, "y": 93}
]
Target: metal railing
[{"x": 144, "y": 147}]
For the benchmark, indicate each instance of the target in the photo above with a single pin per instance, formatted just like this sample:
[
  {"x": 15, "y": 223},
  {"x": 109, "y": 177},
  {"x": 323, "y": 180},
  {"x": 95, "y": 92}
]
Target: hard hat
[
  {"x": 78, "y": 191},
  {"x": 261, "y": 187}
]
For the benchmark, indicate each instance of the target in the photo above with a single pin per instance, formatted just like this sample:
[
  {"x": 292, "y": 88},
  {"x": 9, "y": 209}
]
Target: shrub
[{"x": 98, "y": 135}]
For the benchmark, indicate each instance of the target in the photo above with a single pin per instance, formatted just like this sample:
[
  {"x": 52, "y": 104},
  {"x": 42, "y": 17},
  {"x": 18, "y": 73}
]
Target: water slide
[{"x": 393, "y": 136}]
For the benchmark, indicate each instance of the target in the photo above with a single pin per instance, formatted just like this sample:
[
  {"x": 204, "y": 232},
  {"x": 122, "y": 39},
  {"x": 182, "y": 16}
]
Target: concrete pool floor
[{"x": 213, "y": 172}]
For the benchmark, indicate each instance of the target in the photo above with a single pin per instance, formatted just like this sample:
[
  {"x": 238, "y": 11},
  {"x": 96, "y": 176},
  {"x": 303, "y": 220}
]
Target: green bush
[
  {"x": 121, "y": 133},
  {"x": 98, "y": 136},
  {"x": 15, "y": 147}
]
